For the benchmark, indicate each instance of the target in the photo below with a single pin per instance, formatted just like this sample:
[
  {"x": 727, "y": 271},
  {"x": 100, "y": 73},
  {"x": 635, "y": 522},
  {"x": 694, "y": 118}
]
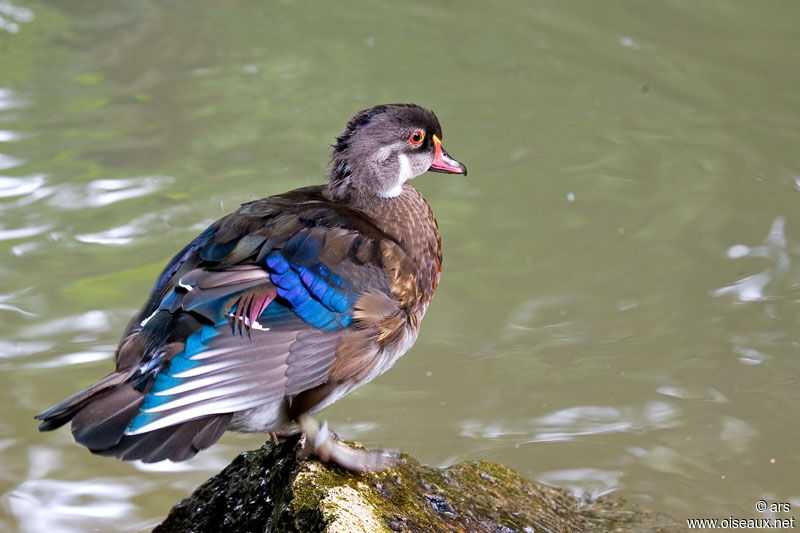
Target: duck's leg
[
  {"x": 279, "y": 436},
  {"x": 325, "y": 444}
]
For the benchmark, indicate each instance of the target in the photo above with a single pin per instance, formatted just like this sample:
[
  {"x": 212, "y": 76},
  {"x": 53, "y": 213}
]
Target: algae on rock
[{"x": 271, "y": 490}]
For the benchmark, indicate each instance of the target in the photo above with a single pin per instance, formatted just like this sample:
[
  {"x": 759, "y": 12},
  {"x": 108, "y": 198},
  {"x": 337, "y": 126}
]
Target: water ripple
[
  {"x": 20, "y": 186},
  {"x": 774, "y": 247},
  {"x": 21, "y": 233},
  {"x": 67, "y": 506},
  {"x": 25, "y": 190},
  {"x": 567, "y": 424},
  {"x": 693, "y": 393},
  {"x": 94, "y": 321},
  {"x": 15, "y": 309},
  {"x": 670, "y": 461},
  {"x": 76, "y": 358},
  {"x": 9, "y": 100},
  {"x": 578, "y": 479},
  {"x": 8, "y": 136},
  {"x": 10, "y": 297},
  {"x": 573, "y": 422},
  {"x": 11, "y": 16},
  {"x": 748, "y": 355},
  {"x": 11, "y": 349},
  {"x": 43, "y": 504},
  {"x": 114, "y": 237},
  {"x": 104, "y": 192},
  {"x": 7, "y": 161}
]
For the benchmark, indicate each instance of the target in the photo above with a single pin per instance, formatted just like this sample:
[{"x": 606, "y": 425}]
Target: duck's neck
[{"x": 408, "y": 219}]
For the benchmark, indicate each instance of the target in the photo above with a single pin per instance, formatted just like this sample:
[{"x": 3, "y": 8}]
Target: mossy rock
[{"x": 271, "y": 490}]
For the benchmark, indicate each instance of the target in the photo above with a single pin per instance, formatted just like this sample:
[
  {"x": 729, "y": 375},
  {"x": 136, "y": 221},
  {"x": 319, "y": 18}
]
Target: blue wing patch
[
  {"x": 320, "y": 297},
  {"x": 181, "y": 362}
]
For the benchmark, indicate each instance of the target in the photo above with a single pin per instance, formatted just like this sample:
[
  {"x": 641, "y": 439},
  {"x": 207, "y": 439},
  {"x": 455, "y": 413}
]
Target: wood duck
[{"x": 280, "y": 308}]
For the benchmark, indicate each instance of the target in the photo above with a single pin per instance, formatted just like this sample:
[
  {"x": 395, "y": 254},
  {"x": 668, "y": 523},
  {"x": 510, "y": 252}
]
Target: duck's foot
[{"x": 325, "y": 444}]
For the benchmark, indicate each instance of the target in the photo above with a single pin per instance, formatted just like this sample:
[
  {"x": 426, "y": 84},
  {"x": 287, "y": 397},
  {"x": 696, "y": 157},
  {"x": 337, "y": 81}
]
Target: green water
[{"x": 619, "y": 309}]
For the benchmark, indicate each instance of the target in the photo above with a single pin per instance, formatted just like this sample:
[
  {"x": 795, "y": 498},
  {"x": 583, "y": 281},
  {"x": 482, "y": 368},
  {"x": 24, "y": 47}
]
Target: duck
[{"x": 280, "y": 308}]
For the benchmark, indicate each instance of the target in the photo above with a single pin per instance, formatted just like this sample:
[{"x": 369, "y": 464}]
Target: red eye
[{"x": 416, "y": 137}]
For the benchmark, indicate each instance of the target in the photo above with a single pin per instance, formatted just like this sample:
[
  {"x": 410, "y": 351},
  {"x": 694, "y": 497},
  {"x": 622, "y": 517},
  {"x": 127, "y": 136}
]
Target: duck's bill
[{"x": 442, "y": 162}]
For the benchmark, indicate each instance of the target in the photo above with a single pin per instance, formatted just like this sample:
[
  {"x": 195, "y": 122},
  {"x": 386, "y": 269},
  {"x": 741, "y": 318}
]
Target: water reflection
[
  {"x": 568, "y": 424},
  {"x": 20, "y": 186},
  {"x": 11, "y": 16},
  {"x": 6, "y": 162},
  {"x": 587, "y": 483},
  {"x": 105, "y": 192},
  {"x": 748, "y": 355},
  {"x": 9, "y": 99},
  {"x": 670, "y": 460},
  {"x": 95, "y": 322},
  {"x": 29, "y": 189},
  {"x": 73, "y": 506},
  {"x": 10, "y": 349},
  {"x": 73, "y": 358},
  {"x": 6, "y": 305},
  {"x": 685, "y": 392},
  {"x": 774, "y": 248},
  {"x": 738, "y": 435},
  {"x": 118, "y": 236},
  {"x": 21, "y": 233},
  {"x": 8, "y": 135}
]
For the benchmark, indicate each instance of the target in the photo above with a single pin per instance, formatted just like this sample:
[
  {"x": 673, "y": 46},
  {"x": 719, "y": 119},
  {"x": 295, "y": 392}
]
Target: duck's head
[{"x": 383, "y": 147}]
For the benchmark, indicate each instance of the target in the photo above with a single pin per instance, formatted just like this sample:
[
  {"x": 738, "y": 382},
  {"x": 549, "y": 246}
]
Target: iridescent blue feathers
[{"x": 316, "y": 294}]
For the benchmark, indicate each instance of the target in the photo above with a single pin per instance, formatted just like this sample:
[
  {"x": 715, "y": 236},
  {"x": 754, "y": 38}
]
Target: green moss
[{"x": 271, "y": 490}]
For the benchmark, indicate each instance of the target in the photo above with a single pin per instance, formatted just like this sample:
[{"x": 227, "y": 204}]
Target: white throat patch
[{"x": 403, "y": 176}]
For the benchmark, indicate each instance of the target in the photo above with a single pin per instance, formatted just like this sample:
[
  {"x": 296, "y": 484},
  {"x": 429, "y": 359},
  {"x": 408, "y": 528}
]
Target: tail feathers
[
  {"x": 63, "y": 412},
  {"x": 101, "y": 423},
  {"x": 176, "y": 443},
  {"x": 101, "y": 413}
]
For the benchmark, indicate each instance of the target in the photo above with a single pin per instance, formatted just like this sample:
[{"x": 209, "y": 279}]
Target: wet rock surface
[{"x": 270, "y": 489}]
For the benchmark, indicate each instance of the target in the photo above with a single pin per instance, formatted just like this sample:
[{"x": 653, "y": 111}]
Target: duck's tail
[{"x": 102, "y": 412}]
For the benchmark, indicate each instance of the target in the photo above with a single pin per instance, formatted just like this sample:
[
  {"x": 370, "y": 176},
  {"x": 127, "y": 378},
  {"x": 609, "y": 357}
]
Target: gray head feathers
[{"x": 374, "y": 154}]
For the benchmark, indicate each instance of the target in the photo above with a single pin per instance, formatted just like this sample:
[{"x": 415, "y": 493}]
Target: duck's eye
[{"x": 416, "y": 137}]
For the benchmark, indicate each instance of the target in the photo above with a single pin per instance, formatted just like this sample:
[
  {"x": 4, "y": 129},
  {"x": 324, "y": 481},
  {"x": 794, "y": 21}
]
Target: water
[{"x": 618, "y": 310}]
